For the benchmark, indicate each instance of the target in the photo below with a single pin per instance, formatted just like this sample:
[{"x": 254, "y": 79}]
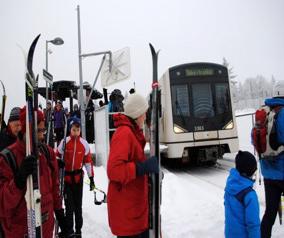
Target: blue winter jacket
[
  {"x": 241, "y": 220},
  {"x": 274, "y": 169}
]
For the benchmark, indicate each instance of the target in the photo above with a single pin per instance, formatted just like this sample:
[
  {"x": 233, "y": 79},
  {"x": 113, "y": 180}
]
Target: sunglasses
[{"x": 41, "y": 130}]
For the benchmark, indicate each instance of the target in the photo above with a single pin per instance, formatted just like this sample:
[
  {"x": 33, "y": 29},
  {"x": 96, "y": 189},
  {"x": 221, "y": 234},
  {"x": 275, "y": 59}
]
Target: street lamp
[{"x": 55, "y": 41}]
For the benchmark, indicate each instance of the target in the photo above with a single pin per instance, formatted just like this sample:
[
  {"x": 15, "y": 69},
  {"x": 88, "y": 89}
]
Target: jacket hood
[
  {"x": 122, "y": 120},
  {"x": 236, "y": 182},
  {"x": 274, "y": 102}
]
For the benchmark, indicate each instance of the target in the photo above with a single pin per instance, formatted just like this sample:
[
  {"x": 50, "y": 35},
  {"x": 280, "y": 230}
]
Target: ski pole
[
  {"x": 280, "y": 210},
  {"x": 4, "y": 98},
  {"x": 99, "y": 202}
]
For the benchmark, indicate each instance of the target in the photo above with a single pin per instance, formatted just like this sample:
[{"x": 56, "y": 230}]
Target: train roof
[{"x": 197, "y": 64}]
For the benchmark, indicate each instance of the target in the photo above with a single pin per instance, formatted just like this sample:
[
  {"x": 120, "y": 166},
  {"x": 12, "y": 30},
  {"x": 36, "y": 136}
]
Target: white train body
[{"x": 197, "y": 120}]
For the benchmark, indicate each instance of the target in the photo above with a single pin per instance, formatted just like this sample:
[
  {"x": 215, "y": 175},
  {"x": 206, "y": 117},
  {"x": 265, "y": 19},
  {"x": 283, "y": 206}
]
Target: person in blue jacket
[
  {"x": 273, "y": 169},
  {"x": 240, "y": 200}
]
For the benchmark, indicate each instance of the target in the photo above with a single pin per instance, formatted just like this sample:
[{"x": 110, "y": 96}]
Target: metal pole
[
  {"x": 98, "y": 73},
  {"x": 46, "y": 68},
  {"x": 81, "y": 96}
]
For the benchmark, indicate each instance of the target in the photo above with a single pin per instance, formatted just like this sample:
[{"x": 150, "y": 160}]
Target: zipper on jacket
[{"x": 74, "y": 153}]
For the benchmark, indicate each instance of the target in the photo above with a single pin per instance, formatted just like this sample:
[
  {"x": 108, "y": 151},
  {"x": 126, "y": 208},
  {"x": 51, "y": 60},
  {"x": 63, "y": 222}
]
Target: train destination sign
[{"x": 199, "y": 72}]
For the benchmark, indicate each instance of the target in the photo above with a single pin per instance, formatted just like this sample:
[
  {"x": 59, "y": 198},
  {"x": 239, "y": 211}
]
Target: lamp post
[{"x": 55, "y": 41}]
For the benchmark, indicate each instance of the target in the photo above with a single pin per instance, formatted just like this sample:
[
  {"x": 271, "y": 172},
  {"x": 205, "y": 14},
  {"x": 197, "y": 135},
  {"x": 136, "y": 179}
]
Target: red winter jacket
[
  {"x": 77, "y": 153},
  {"x": 13, "y": 208},
  {"x": 127, "y": 198}
]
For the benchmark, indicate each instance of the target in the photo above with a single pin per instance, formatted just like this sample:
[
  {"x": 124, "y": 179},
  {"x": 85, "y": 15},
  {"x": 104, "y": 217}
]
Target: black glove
[
  {"x": 148, "y": 166},
  {"x": 28, "y": 166},
  {"x": 59, "y": 214},
  {"x": 92, "y": 184},
  {"x": 60, "y": 163}
]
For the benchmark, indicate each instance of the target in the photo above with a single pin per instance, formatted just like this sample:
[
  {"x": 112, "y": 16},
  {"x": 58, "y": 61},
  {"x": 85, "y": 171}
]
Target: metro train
[{"x": 197, "y": 122}]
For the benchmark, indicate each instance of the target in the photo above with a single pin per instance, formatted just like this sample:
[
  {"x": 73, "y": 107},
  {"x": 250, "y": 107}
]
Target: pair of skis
[
  {"x": 155, "y": 179},
  {"x": 62, "y": 170},
  {"x": 33, "y": 196}
]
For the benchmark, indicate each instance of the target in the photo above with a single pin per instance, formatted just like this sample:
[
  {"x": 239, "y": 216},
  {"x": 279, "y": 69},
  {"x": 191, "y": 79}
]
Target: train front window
[
  {"x": 202, "y": 101},
  {"x": 180, "y": 106},
  {"x": 180, "y": 100},
  {"x": 200, "y": 96},
  {"x": 222, "y": 98}
]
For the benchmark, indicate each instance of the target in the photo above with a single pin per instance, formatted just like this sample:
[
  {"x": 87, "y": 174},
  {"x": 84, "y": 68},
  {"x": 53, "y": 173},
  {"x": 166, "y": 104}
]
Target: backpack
[
  {"x": 264, "y": 134},
  {"x": 240, "y": 196},
  {"x": 9, "y": 157}
]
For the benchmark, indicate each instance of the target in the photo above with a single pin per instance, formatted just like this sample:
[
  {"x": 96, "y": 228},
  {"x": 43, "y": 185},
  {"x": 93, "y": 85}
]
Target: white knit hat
[{"x": 135, "y": 105}]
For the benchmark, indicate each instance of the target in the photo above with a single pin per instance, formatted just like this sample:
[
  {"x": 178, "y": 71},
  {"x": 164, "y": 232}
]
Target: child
[
  {"x": 76, "y": 153},
  {"x": 241, "y": 202}
]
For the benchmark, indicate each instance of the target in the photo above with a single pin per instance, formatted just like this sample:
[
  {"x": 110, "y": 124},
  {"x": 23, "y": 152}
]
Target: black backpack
[
  {"x": 9, "y": 157},
  {"x": 241, "y": 195}
]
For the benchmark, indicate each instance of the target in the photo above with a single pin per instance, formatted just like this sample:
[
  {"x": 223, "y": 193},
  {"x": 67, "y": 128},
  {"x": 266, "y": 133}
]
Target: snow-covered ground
[{"x": 192, "y": 199}]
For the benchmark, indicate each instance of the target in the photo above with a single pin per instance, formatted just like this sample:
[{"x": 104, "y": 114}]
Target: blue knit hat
[{"x": 74, "y": 120}]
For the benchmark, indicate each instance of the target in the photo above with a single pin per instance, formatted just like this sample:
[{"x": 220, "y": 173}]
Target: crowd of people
[{"x": 127, "y": 171}]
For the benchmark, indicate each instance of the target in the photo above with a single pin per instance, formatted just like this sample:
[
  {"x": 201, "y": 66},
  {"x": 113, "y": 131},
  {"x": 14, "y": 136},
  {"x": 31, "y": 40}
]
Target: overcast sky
[{"x": 249, "y": 33}]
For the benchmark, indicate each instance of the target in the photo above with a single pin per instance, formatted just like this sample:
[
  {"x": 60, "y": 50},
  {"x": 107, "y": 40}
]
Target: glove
[
  {"x": 60, "y": 163},
  {"x": 28, "y": 166},
  {"x": 148, "y": 166},
  {"x": 92, "y": 184},
  {"x": 59, "y": 214}
]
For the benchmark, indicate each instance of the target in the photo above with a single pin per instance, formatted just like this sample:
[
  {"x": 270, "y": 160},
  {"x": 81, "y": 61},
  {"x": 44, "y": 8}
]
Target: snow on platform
[{"x": 192, "y": 199}]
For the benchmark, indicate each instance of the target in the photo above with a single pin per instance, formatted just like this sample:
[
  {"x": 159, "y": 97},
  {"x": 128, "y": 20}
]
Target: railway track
[{"x": 214, "y": 175}]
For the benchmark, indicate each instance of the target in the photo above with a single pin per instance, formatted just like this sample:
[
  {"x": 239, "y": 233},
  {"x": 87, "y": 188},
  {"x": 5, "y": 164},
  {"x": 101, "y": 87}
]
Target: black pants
[
  {"x": 145, "y": 234},
  {"x": 273, "y": 191},
  {"x": 73, "y": 194},
  {"x": 59, "y": 134}
]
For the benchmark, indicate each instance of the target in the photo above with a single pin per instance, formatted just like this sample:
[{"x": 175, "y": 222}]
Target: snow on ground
[{"x": 192, "y": 199}]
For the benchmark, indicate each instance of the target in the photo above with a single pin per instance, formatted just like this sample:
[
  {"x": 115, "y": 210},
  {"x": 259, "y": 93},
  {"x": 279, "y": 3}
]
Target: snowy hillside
[{"x": 192, "y": 199}]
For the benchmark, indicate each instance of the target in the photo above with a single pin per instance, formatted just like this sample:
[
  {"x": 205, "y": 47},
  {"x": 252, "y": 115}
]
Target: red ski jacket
[
  {"x": 127, "y": 198},
  {"x": 77, "y": 153},
  {"x": 13, "y": 208}
]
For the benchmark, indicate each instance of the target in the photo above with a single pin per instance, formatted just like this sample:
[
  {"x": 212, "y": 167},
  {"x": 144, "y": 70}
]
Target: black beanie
[
  {"x": 245, "y": 163},
  {"x": 14, "y": 114}
]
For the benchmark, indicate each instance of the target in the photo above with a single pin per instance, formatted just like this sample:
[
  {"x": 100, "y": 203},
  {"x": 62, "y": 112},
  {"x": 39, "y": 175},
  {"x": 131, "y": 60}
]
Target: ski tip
[
  {"x": 152, "y": 48},
  {"x": 3, "y": 87},
  {"x": 153, "y": 51},
  {"x": 35, "y": 42},
  {"x": 31, "y": 55}
]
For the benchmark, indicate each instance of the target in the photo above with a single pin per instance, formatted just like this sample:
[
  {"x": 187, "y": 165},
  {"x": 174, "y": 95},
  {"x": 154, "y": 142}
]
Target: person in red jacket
[
  {"x": 13, "y": 207},
  {"x": 127, "y": 171},
  {"x": 76, "y": 154}
]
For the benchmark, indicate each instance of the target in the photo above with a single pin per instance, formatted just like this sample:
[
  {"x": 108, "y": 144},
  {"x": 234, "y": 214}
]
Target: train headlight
[
  {"x": 178, "y": 129},
  {"x": 229, "y": 125}
]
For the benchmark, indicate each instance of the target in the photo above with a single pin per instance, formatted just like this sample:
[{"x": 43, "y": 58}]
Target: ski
[
  {"x": 155, "y": 179},
  {"x": 33, "y": 196},
  {"x": 62, "y": 170},
  {"x": 4, "y": 98}
]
